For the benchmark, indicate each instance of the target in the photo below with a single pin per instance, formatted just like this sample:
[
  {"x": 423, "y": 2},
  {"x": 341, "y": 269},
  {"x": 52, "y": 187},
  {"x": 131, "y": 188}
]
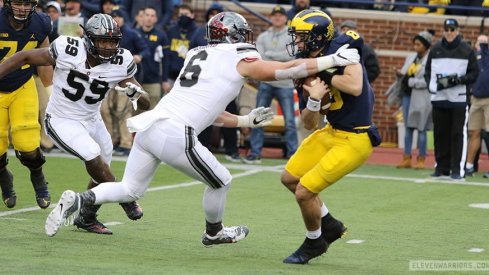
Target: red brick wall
[{"x": 390, "y": 34}]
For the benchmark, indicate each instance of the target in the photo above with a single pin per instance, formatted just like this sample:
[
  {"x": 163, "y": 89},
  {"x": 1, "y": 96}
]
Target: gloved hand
[
  {"x": 258, "y": 117},
  {"x": 158, "y": 54},
  {"x": 344, "y": 56},
  {"x": 132, "y": 91}
]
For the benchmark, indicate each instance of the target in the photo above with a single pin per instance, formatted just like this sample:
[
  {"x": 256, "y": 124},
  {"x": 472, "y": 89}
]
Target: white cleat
[
  {"x": 69, "y": 204},
  {"x": 231, "y": 234}
]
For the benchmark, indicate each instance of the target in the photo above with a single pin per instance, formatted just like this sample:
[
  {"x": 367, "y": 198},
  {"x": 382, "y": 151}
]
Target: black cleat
[
  {"x": 133, "y": 210},
  {"x": 8, "y": 194},
  {"x": 309, "y": 249},
  {"x": 91, "y": 225},
  {"x": 332, "y": 229}
]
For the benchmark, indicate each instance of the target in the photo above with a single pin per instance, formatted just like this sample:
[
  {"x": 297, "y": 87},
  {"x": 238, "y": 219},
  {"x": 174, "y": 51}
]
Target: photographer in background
[{"x": 451, "y": 67}]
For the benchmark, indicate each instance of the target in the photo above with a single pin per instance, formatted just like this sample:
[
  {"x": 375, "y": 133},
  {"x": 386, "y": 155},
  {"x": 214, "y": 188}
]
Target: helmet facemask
[
  {"x": 307, "y": 42},
  {"x": 20, "y": 16}
]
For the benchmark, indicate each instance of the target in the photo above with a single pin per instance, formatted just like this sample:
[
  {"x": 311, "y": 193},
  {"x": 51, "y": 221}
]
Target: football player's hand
[
  {"x": 316, "y": 88},
  {"x": 132, "y": 91},
  {"x": 344, "y": 56},
  {"x": 258, "y": 117}
]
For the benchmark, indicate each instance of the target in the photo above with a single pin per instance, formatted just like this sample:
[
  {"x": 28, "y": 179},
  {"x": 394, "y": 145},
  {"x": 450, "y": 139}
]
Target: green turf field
[{"x": 395, "y": 216}]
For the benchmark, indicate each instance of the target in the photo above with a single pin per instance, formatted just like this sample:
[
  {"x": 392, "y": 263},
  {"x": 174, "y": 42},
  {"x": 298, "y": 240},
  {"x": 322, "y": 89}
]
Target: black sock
[{"x": 212, "y": 228}]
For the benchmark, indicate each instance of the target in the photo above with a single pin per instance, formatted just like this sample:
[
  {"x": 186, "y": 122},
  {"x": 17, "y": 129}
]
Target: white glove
[
  {"x": 158, "y": 54},
  {"x": 258, "y": 117},
  {"x": 133, "y": 91},
  {"x": 342, "y": 57}
]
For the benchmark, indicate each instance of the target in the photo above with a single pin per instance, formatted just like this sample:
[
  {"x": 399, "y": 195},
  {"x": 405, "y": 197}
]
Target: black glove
[{"x": 327, "y": 75}]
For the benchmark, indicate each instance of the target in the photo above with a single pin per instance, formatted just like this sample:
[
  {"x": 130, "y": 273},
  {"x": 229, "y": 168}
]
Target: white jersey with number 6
[
  {"x": 208, "y": 81},
  {"x": 78, "y": 89}
]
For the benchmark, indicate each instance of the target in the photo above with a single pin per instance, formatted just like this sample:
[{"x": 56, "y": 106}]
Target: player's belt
[{"x": 352, "y": 130}]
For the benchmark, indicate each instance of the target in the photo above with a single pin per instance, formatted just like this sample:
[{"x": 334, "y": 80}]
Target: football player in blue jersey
[
  {"x": 22, "y": 28},
  {"x": 332, "y": 152}
]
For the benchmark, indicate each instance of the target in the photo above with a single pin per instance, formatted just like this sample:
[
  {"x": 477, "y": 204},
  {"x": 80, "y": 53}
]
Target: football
[{"x": 325, "y": 101}]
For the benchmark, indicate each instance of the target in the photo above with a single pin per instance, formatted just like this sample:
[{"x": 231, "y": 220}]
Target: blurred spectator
[
  {"x": 116, "y": 108},
  {"x": 53, "y": 10},
  {"x": 156, "y": 41},
  {"x": 479, "y": 109},
  {"x": 416, "y": 106},
  {"x": 465, "y": 3},
  {"x": 178, "y": 43},
  {"x": 164, "y": 10},
  {"x": 430, "y": 10},
  {"x": 138, "y": 19},
  {"x": 69, "y": 23},
  {"x": 451, "y": 66},
  {"x": 271, "y": 44},
  {"x": 106, "y": 6},
  {"x": 369, "y": 56},
  {"x": 299, "y": 6}
]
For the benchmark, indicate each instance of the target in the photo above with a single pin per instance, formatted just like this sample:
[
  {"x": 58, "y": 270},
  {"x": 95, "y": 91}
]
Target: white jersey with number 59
[
  {"x": 79, "y": 89},
  {"x": 207, "y": 83}
]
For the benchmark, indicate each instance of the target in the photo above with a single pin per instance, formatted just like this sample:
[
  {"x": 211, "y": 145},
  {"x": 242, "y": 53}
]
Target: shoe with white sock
[
  {"x": 68, "y": 205},
  {"x": 231, "y": 234}
]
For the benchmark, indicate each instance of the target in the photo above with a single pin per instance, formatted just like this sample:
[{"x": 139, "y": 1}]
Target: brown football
[{"x": 325, "y": 101}]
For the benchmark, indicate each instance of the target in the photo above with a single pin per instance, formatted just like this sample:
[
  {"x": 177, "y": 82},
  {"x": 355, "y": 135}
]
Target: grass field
[{"x": 400, "y": 216}]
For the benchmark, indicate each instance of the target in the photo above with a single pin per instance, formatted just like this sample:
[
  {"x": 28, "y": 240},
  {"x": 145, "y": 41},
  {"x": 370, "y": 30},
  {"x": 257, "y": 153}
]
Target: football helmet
[
  {"x": 20, "y": 16},
  {"x": 101, "y": 27},
  {"x": 313, "y": 28},
  {"x": 228, "y": 27}
]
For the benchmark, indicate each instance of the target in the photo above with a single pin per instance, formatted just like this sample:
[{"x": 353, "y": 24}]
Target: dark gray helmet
[
  {"x": 228, "y": 27},
  {"x": 101, "y": 27},
  {"x": 30, "y": 12}
]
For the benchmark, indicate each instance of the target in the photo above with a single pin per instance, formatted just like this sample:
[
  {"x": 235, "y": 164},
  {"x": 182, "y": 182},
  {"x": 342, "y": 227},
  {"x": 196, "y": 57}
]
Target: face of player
[
  {"x": 21, "y": 9},
  {"x": 106, "y": 47}
]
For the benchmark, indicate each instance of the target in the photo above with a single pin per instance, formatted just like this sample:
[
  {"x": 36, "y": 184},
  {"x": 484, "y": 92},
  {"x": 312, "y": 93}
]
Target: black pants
[{"x": 450, "y": 136}]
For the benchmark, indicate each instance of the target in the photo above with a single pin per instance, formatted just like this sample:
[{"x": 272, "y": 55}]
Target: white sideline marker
[
  {"x": 113, "y": 223},
  {"x": 476, "y": 250},
  {"x": 479, "y": 205},
  {"x": 355, "y": 241}
]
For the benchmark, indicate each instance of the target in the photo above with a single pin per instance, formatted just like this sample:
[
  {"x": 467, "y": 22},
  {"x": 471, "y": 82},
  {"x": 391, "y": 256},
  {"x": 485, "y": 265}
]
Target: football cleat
[
  {"x": 231, "y": 234},
  {"x": 10, "y": 200},
  {"x": 68, "y": 205},
  {"x": 332, "y": 229},
  {"x": 43, "y": 198},
  {"x": 308, "y": 250},
  {"x": 92, "y": 226},
  {"x": 133, "y": 210}
]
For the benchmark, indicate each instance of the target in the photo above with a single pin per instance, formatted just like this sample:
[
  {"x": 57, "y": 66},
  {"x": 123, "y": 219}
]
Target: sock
[
  {"x": 469, "y": 165},
  {"x": 314, "y": 234},
  {"x": 211, "y": 229},
  {"x": 324, "y": 210},
  {"x": 88, "y": 197}
]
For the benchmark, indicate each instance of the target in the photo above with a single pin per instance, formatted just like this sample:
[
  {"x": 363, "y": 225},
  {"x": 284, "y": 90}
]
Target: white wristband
[
  {"x": 313, "y": 105},
  {"x": 324, "y": 62},
  {"x": 243, "y": 121}
]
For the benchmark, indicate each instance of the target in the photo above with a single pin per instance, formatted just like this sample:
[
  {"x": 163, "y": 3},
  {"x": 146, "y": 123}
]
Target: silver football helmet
[
  {"x": 101, "y": 27},
  {"x": 228, "y": 27}
]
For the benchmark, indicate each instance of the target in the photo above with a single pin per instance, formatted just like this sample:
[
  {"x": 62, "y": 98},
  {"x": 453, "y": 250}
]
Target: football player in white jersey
[
  {"x": 211, "y": 77},
  {"x": 85, "y": 69}
]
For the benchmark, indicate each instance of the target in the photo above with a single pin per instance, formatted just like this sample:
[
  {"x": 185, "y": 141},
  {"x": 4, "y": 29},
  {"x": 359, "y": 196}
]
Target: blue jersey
[
  {"x": 12, "y": 41},
  {"x": 348, "y": 111}
]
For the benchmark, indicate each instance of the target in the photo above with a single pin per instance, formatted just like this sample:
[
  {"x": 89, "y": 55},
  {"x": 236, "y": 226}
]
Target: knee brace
[
  {"x": 32, "y": 160},
  {"x": 3, "y": 162}
]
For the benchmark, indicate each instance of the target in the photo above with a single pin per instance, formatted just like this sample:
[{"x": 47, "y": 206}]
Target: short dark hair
[{"x": 186, "y": 7}]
